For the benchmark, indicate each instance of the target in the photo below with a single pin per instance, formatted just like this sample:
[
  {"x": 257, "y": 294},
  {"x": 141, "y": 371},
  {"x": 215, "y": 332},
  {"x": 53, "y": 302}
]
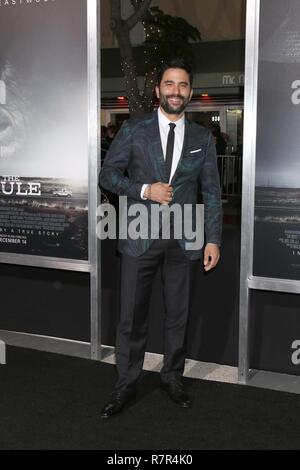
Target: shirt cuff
[
  {"x": 214, "y": 243},
  {"x": 142, "y": 191}
]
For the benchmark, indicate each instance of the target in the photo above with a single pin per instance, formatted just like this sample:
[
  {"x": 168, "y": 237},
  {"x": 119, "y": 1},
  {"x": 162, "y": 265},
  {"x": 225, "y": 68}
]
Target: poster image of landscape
[
  {"x": 277, "y": 192},
  {"x": 44, "y": 128}
]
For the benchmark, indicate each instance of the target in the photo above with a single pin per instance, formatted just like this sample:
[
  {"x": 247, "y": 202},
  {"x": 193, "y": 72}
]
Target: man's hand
[
  {"x": 159, "y": 192},
  {"x": 211, "y": 256}
]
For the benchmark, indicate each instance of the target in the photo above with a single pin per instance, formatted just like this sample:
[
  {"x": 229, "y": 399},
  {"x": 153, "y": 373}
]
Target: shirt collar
[{"x": 164, "y": 121}]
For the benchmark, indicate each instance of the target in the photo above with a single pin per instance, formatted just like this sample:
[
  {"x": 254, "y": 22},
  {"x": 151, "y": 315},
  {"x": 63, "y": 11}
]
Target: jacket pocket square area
[{"x": 195, "y": 151}]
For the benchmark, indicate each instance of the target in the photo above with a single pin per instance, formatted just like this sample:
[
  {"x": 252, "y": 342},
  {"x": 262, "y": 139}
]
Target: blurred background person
[{"x": 219, "y": 138}]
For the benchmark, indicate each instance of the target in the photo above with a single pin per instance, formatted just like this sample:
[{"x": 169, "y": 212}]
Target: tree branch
[
  {"x": 115, "y": 9},
  {"x": 138, "y": 14}
]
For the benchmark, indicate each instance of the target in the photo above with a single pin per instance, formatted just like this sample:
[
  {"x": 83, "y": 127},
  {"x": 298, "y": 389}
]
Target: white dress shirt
[{"x": 164, "y": 128}]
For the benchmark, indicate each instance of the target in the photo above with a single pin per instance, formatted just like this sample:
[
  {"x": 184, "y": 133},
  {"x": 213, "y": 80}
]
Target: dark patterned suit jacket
[{"x": 137, "y": 148}]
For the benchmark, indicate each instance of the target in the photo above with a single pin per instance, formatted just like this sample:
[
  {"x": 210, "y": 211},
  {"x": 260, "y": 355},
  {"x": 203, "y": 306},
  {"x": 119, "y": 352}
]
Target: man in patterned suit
[{"x": 168, "y": 159}]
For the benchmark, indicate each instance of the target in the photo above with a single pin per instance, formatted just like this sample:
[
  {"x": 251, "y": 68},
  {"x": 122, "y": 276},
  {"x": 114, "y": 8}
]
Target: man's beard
[{"x": 168, "y": 108}]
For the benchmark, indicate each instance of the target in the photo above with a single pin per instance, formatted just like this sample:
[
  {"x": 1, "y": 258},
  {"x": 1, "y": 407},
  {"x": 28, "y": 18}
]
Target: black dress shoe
[
  {"x": 176, "y": 392},
  {"x": 119, "y": 398}
]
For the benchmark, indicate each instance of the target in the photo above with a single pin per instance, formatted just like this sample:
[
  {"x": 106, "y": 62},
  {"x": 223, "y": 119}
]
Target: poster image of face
[
  {"x": 277, "y": 193},
  {"x": 44, "y": 128}
]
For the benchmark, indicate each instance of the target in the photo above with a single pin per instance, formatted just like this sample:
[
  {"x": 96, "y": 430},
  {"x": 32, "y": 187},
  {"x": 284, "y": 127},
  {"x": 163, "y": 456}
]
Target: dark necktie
[{"x": 170, "y": 148}]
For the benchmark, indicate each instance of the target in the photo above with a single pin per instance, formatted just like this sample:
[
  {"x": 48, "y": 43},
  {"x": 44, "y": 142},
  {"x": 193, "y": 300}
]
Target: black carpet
[{"x": 49, "y": 401}]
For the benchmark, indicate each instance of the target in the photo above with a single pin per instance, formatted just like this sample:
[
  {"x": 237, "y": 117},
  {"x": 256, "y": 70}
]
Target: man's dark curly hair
[{"x": 175, "y": 63}]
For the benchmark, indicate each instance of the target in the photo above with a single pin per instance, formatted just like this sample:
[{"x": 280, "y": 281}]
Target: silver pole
[
  {"x": 93, "y": 14},
  {"x": 248, "y": 186}
]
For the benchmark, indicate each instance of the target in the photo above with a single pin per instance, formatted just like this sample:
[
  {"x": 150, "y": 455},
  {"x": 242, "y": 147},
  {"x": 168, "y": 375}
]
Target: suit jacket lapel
[{"x": 156, "y": 150}]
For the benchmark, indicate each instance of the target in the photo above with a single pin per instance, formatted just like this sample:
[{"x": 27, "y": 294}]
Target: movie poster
[
  {"x": 277, "y": 193},
  {"x": 44, "y": 128}
]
